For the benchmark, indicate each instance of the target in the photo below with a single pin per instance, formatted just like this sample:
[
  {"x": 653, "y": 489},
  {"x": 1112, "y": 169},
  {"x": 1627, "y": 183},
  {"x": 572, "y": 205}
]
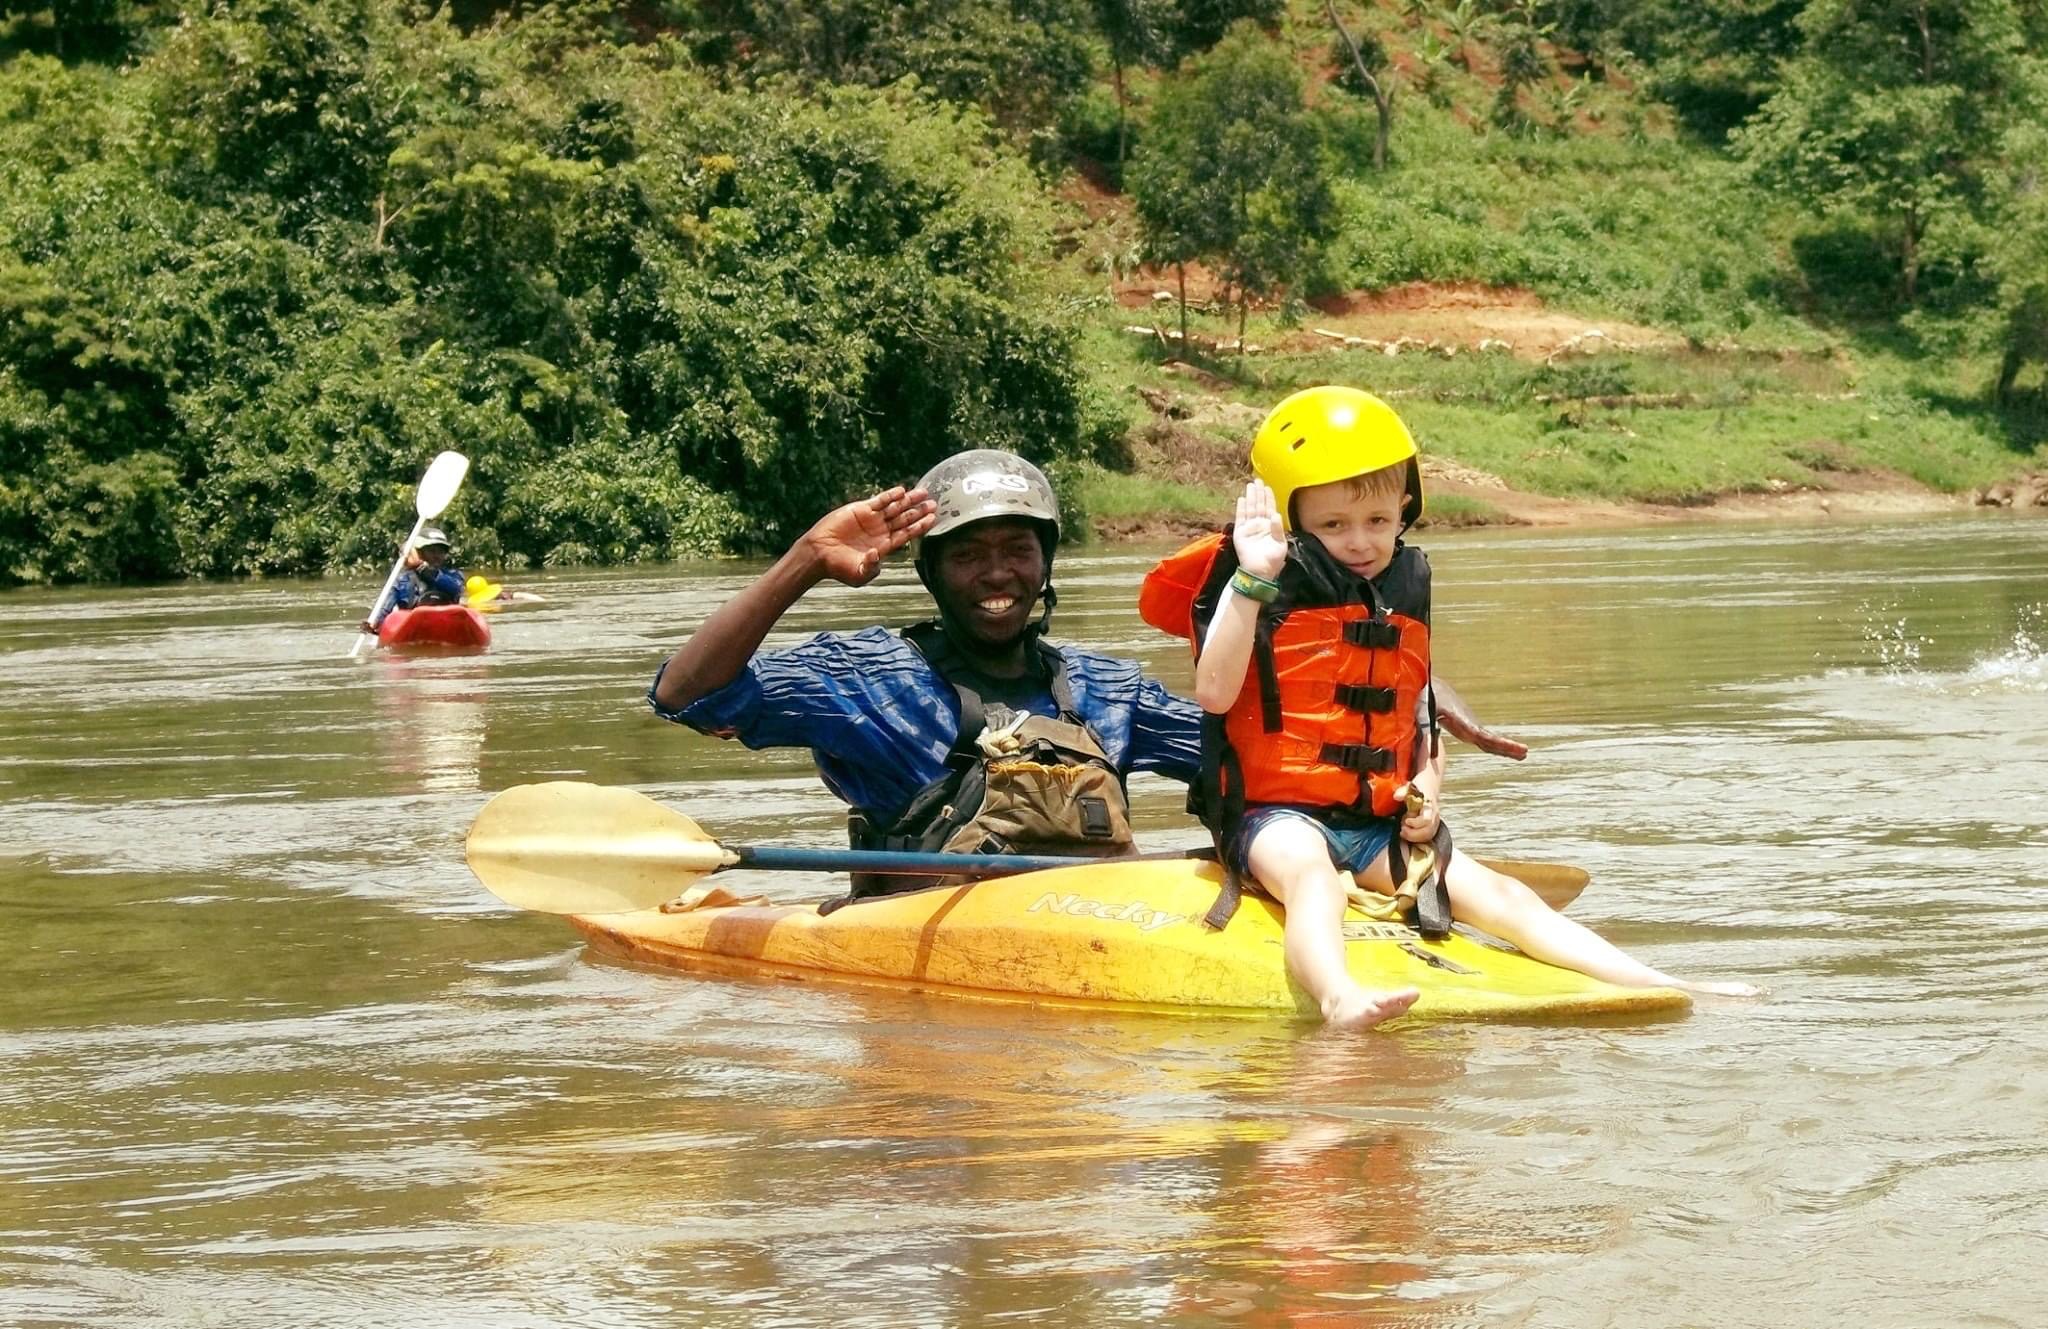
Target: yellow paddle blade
[
  {"x": 1558, "y": 883},
  {"x": 566, "y": 847}
]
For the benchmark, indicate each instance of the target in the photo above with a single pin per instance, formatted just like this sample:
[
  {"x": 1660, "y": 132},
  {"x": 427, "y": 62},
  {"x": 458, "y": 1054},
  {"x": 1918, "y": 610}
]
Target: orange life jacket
[{"x": 1327, "y": 714}]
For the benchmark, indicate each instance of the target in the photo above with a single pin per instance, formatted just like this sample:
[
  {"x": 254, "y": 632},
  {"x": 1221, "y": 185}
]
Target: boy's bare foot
[{"x": 1357, "y": 1008}]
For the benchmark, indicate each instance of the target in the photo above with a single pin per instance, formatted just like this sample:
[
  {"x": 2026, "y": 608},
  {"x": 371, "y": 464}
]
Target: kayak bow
[{"x": 435, "y": 625}]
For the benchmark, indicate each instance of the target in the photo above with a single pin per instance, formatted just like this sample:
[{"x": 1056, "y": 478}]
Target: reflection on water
[
  {"x": 269, "y": 1056},
  {"x": 431, "y": 713}
]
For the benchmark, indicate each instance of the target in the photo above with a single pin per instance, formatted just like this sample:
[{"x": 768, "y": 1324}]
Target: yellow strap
[
  {"x": 1421, "y": 859},
  {"x": 708, "y": 895},
  {"x": 1386, "y": 908}
]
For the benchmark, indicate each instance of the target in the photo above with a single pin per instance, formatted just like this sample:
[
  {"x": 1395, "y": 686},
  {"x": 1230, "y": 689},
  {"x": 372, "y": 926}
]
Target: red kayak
[{"x": 435, "y": 625}]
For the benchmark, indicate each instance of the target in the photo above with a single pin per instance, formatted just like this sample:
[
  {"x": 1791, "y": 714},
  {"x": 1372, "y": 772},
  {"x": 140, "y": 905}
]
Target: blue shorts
[{"x": 1352, "y": 848}]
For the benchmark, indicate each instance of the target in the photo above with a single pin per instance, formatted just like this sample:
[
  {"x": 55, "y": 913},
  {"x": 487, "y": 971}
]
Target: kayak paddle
[
  {"x": 566, "y": 847},
  {"x": 437, "y": 490}
]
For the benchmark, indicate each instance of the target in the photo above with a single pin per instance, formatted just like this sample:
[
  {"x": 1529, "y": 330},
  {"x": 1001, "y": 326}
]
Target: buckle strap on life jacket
[
  {"x": 1224, "y": 907},
  {"x": 1368, "y": 700},
  {"x": 1420, "y": 892},
  {"x": 1376, "y": 634},
  {"x": 1360, "y": 757}
]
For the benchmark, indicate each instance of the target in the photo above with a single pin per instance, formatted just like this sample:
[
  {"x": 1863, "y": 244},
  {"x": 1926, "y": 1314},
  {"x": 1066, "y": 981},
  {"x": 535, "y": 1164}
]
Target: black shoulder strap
[
  {"x": 1404, "y": 586},
  {"x": 931, "y": 641},
  {"x": 929, "y": 638},
  {"x": 1053, "y": 665}
]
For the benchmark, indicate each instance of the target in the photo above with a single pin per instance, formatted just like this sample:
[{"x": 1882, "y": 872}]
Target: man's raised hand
[{"x": 850, "y": 542}]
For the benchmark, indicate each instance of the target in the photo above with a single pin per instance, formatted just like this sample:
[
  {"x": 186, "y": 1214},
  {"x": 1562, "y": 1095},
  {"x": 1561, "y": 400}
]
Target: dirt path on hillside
[{"x": 1435, "y": 317}]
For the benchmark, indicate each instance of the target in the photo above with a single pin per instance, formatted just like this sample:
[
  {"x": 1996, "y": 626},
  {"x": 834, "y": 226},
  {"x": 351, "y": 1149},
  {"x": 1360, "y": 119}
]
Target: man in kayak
[
  {"x": 889, "y": 717},
  {"x": 427, "y": 578},
  {"x": 942, "y": 736},
  {"x": 1310, "y": 619}
]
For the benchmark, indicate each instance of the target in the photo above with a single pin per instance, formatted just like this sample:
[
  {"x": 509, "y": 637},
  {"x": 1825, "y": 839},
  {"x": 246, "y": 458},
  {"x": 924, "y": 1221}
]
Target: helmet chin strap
[{"x": 1047, "y": 598}]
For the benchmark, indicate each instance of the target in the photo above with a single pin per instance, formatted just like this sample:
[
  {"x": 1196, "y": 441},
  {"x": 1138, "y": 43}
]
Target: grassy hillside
[{"x": 1596, "y": 304}]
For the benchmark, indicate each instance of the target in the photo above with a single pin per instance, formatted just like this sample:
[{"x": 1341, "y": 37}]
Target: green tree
[
  {"x": 253, "y": 281},
  {"x": 1231, "y": 170},
  {"x": 1371, "y": 72},
  {"x": 1890, "y": 110},
  {"x": 76, "y": 29},
  {"x": 297, "y": 101},
  {"x": 2017, "y": 252},
  {"x": 1520, "y": 38},
  {"x": 1134, "y": 31},
  {"x": 833, "y": 297},
  {"x": 1193, "y": 26}
]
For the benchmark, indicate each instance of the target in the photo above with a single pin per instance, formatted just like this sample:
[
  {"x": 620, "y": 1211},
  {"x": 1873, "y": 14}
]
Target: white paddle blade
[
  {"x": 438, "y": 485},
  {"x": 566, "y": 847}
]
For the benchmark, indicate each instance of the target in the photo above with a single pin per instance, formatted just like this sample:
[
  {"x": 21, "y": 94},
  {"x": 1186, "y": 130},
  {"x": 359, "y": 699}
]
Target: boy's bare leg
[
  {"x": 1292, "y": 860},
  {"x": 1497, "y": 903}
]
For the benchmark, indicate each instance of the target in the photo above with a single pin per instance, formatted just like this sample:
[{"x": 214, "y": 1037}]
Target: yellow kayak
[{"x": 1127, "y": 936}]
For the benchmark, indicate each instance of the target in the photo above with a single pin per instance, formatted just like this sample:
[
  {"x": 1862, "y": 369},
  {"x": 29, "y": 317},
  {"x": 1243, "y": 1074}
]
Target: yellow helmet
[{"x": 1321, "y": 435}]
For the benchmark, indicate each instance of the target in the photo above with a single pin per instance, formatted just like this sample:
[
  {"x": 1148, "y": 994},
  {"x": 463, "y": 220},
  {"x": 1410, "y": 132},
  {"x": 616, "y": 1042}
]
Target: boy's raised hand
[{"x": 1258, "y": 537}]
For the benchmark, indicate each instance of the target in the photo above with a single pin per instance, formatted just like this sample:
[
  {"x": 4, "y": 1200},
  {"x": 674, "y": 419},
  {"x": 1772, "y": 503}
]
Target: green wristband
[{"x": 1254, "y": 587}]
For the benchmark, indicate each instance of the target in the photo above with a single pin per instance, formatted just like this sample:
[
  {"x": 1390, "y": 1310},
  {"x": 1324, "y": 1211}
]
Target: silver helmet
[{"x": 984, "y": 483}]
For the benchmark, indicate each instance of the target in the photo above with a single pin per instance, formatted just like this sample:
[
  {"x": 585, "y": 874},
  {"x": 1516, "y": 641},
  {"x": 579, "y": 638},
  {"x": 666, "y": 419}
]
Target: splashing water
[
  {"x": 2022, "y": 666},
  {"x": 1898, "y": 650}
]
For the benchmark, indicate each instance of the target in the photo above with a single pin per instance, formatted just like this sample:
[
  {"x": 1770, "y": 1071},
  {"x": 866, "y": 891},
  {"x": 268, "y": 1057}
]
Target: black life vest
[{"x": 1015, "y": 782}]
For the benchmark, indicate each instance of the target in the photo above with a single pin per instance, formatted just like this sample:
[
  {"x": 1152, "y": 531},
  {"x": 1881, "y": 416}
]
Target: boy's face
[{"x": 1358, "y": 532}]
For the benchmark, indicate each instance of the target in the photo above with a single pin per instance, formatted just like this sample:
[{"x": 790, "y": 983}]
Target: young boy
[{"x": 1315, "y": 656}]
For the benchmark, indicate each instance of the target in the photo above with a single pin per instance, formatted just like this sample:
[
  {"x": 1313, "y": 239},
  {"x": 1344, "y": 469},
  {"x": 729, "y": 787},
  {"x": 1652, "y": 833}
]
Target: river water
[{"x": 270, "y": 1056}]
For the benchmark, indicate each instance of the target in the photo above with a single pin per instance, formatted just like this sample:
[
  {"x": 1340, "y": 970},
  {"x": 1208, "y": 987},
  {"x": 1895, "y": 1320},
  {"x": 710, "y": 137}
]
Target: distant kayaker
[
  {"x": 427, "y": 578},
  {"x": 1310, "y": 621}
]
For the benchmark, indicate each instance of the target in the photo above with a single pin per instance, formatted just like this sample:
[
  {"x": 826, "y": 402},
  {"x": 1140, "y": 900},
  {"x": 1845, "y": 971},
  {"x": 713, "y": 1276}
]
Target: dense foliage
[
  {"x": 678, "y": 275},
  {"x": 252, "y": 283}
]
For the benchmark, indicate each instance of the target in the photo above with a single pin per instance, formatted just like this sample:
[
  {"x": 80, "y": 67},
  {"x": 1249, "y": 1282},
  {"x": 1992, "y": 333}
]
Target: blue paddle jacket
[
  {"x": 879, "y": 720},
  {"x": 414, "y": 586}
]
